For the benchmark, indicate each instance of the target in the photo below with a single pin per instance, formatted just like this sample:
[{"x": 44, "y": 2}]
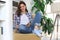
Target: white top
[{"x": 24, "y": 19}]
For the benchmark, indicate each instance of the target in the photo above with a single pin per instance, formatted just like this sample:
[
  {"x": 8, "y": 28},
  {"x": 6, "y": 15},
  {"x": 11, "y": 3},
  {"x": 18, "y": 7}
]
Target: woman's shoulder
[
  {"x": 29, "y": 13},
  {"x": 15, "y": 15}
]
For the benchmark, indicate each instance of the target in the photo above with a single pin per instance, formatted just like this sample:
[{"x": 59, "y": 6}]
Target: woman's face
[{"x": 22, "y": 7}]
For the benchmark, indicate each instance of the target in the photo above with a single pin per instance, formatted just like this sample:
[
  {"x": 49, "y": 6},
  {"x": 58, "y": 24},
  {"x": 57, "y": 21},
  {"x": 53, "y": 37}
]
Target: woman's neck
[{"x": 23, "y": 12}]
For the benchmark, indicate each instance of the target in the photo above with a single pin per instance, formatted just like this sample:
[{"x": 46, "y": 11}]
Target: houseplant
[{"x": 46, "y": 23}]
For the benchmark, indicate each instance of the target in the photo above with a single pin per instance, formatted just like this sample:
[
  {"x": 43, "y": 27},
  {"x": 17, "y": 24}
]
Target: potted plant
[{"x": 46, "y": 23}]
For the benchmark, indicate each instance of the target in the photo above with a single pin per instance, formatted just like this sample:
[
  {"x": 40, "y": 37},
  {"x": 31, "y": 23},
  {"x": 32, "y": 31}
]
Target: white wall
[
  {"x": 16, "y": 0},
  {"x": 6, "y": 15}
]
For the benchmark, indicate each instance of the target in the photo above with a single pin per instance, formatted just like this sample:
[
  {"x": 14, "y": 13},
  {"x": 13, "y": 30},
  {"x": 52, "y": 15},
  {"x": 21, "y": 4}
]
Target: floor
[{"x": 19, "y": 36}]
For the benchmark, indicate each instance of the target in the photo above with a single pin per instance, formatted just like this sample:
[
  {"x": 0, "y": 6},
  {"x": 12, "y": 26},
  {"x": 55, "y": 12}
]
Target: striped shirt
[{"x": 16, "y": 19}]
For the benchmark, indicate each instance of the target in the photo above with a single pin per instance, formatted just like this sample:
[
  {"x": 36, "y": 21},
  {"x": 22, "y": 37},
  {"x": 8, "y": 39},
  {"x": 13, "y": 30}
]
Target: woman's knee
[{"x": 38, "y": 16}]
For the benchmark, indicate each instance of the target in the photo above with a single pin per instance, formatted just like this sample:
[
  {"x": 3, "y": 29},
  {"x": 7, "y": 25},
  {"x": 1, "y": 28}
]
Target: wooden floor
[{"x": 19, "y": 36}]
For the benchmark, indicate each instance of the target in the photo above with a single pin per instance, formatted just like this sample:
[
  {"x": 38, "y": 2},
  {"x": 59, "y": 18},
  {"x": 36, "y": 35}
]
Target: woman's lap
[{"x": 24, "y": 29}]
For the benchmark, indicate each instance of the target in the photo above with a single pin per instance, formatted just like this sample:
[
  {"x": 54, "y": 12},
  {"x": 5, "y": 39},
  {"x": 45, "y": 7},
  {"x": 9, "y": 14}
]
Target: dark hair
[{"x": 18, "y": 12}]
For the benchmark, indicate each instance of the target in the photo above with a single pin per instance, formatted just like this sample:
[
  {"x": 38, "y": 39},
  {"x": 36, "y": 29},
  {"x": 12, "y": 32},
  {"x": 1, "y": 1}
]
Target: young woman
[{"x": 26, "y": 28}]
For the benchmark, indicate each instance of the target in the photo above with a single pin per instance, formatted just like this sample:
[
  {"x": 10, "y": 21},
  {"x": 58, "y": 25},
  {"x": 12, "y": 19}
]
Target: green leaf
[{"x": 46, "y": 23}]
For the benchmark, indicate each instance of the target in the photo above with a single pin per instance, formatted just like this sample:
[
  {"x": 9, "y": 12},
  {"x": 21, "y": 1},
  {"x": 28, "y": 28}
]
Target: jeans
[{"x": 25, "y": 29}]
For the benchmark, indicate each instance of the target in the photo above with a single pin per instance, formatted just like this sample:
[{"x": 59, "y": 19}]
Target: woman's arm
[
  {"x": 29, "y": 16},
  {"x": 30, "y": 19},
  {"x": 15, "y": 21}
]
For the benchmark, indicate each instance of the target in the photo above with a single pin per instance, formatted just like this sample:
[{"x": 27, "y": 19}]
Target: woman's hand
[
  {"x": 28, "y": 25},
  {"x": 17, "y": 26}
]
